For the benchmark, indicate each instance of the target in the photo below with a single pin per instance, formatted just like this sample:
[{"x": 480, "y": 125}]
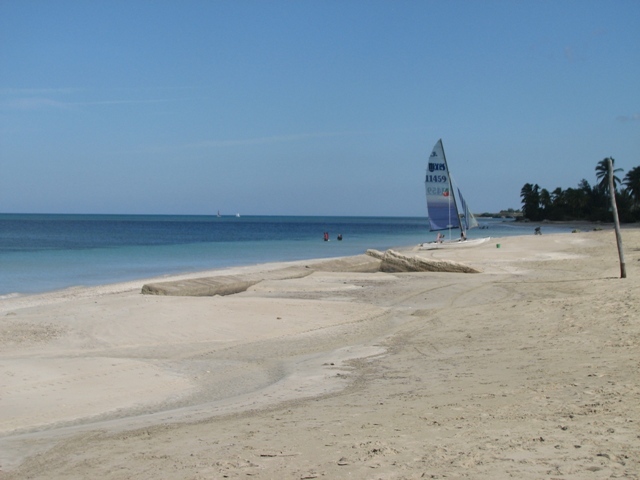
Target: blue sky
[{"x": 308, "y": 107}]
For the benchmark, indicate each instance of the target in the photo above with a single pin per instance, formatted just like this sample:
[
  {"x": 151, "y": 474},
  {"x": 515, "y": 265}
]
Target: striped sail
[
  {"x": 441, "y": 205},
  {"x": 445, "y": 210}
]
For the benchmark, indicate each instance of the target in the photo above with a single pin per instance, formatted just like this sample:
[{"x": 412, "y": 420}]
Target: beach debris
[
  {"x": 356, "y": 263},
  {"x": 371, "y": 262},
  {"x": 393, "y": 261},
  {"x": 278, "y": 454},
  {"x": 220, "y": 285},
  {"x": 375, "y": 253},
  {"x": 231, "y": 284},
  {"x": 199, "y": 287}
]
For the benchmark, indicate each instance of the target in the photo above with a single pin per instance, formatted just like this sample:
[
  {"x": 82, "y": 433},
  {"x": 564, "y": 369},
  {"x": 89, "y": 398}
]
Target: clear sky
[{"x": 308, "y": 107}]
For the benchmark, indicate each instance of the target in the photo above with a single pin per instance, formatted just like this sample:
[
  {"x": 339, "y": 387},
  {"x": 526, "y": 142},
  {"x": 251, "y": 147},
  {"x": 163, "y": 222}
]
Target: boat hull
[{"x": 454, "y": 244}]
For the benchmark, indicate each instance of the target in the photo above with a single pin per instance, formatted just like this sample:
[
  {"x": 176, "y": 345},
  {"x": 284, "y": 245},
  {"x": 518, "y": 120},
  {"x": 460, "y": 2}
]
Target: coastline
[
  {"x": 355, "y": 371},
  {"x": 157, "y": 247}
]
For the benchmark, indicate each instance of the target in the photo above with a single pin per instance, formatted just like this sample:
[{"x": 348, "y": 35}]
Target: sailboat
[{"x": 446, "y": 210}]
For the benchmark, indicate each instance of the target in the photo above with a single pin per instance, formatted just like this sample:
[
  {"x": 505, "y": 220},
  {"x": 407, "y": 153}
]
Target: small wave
[{"x": 10, "y": 295}]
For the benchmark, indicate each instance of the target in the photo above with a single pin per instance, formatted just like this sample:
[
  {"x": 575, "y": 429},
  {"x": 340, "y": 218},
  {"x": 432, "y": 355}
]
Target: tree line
[{"x": 585, "y": 202}]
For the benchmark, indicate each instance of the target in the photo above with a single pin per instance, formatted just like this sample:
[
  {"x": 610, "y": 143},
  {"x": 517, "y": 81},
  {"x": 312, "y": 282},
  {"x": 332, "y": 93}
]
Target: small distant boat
[
  {"x": 238, "y": 215},
  {"x": 218, "y": 214},
  {"x": 446, "y": 211}
]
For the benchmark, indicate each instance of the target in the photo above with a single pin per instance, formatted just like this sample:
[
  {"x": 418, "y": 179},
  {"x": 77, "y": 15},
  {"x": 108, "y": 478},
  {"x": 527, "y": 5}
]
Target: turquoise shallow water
[{"x": 40, "y": 253}]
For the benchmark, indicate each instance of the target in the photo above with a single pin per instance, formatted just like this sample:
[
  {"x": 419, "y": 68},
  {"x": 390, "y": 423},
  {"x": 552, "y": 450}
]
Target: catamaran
[{"x": 446, "y": 210}]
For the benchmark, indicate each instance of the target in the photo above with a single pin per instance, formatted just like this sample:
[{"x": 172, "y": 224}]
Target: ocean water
[{"x": 40, "y": 253}]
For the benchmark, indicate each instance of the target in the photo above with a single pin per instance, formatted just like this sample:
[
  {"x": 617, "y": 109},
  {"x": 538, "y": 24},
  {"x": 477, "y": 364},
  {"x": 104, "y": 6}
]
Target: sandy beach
[{"x": 528, "y": 369}]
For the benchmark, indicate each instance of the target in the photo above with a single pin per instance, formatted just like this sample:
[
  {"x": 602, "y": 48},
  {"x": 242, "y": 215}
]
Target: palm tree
[
  {"x": 602, "y": 175},
  {"x": 545, "y": 198},
  {"x": 576, "y": 201},
  {"x": 557, "y": 197},
  {"x": 545, "y": 203},
  {"x": 530, "y": 195},
  {"x": 584, "y": 186},
  {"x": 632, "y": 182}
]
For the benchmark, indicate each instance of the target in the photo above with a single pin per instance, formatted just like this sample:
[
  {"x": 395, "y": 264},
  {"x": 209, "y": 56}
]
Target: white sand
[{"x": 528, "y": 370}]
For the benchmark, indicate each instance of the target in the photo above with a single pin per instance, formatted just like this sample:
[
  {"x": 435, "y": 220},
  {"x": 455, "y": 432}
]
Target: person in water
[{"x": 339, "y": 236}]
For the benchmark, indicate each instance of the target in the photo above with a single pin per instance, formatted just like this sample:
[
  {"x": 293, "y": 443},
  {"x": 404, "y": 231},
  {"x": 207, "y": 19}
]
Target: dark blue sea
[{"x": 40, "y": 253}]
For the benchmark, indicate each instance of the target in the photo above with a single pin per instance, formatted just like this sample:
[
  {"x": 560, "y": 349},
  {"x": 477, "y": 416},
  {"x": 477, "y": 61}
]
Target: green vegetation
[{"x": 585, "y": 202}]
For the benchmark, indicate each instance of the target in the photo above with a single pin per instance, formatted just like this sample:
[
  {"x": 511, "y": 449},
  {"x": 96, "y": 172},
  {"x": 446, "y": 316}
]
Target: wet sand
[{"x": 526, "y": 370}]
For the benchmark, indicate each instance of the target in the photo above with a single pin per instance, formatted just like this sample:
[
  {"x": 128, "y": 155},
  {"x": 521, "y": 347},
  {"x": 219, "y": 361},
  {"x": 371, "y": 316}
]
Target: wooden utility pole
[{"x": 612, "y": 194}]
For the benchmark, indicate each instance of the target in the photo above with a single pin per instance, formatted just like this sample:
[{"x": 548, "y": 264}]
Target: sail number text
[
  {"x": 440, "y": 191},
  {"x": 436, "y": 178}
]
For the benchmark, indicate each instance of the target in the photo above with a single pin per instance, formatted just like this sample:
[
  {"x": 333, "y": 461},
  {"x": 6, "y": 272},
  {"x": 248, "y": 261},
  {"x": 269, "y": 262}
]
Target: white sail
[
  {"x": 468, "y": 217},
  {"x": 444, "y": 209},
  {"x": 441, "y": 207}
]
